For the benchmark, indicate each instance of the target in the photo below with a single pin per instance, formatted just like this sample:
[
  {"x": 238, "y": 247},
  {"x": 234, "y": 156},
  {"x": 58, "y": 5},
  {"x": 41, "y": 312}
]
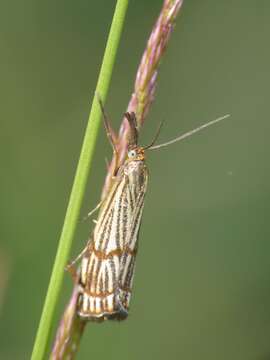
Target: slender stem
[{"x": 79, "y": 185}]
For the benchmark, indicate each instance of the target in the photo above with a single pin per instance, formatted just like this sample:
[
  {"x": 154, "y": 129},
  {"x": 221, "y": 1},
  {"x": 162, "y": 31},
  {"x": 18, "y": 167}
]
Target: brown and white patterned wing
[
  {"x": 127, "y": 261},
  {"x": 107, "y": 269},
  {"x": 100, "y": 265}
]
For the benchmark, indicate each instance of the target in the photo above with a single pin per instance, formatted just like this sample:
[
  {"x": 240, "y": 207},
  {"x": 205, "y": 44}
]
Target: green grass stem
[{"x": 79, "y": 185}]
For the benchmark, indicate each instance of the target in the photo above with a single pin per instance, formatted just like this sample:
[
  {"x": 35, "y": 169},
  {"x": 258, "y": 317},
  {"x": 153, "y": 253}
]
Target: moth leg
[
  {"x": 107, "y": 164},
  {"x": 109, "y": 131},
  {"x": 73, "y": 272},
  {"x": 93, "y": 211},
  {"x": 71, "y": 268},
  {"x": 115, "y": 166},
  {"x": 110, "y": 134}
]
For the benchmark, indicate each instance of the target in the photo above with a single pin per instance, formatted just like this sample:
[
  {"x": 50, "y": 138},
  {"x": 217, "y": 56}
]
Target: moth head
[{"x": 135, "y": 154}]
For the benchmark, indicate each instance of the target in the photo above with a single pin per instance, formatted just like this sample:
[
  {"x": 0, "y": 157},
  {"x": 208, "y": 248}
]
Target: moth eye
[{"x": 132, "y": 154}]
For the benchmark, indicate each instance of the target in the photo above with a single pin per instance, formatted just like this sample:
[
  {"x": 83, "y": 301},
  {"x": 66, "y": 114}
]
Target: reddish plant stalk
[
  {"x": 71, "y": 327},
  {"x": 146, "y": 78}
]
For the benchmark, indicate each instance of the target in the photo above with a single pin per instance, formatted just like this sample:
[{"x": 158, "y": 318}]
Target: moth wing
[{"x": 135, "y": 198}]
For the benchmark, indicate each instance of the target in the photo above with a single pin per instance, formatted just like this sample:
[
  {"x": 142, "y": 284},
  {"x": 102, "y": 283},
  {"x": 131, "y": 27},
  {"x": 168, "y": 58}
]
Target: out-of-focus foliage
[{"x": 202, "y": 284}]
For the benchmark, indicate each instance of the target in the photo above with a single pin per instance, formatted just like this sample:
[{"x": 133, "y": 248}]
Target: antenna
[
  {"x": 189, "y": 133},
  {"x": 150, "y": 146}
]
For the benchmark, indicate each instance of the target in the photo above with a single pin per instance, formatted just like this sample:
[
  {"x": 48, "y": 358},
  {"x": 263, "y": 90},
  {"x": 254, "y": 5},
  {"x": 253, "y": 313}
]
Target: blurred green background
[{"x": 202, "y": 284}]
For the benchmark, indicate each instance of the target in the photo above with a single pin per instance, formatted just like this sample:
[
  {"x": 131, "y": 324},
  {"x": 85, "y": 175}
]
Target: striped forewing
[{"x": 108, "y": 266}]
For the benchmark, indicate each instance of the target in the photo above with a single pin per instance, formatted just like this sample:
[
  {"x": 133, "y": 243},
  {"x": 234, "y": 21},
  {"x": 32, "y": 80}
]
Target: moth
[{"x": 108, "y": 261}]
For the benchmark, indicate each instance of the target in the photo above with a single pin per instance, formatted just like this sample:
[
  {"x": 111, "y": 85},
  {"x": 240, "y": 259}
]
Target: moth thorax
[
  {"x": 134, "y": 166},
  {"x": 136, "y": 172}
]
